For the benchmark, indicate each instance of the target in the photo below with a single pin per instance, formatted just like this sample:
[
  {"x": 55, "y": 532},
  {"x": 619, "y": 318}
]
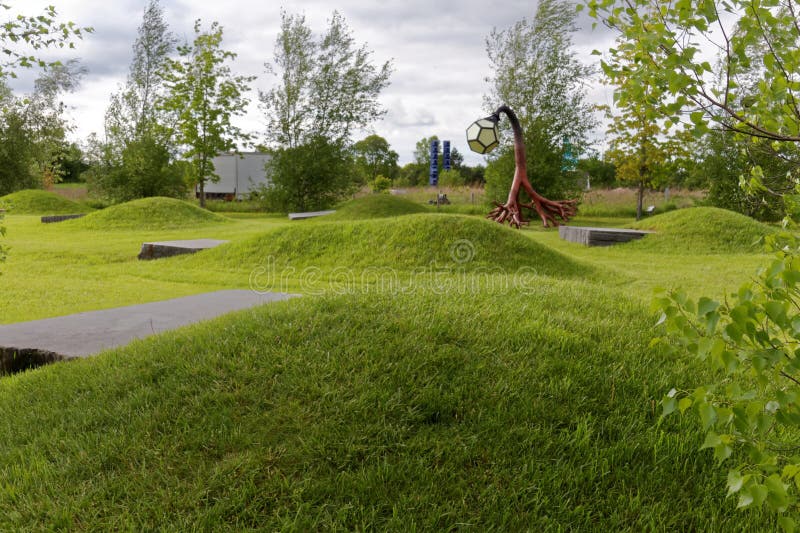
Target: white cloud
[{"x": 437, "y": 49}]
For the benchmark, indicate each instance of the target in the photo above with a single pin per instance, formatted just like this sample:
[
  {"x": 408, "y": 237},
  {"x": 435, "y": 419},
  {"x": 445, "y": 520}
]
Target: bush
[
  {"x": 751, "y": 340},
  {"x": 451, "y": 178},
  {"x": 380, "y": 184}
]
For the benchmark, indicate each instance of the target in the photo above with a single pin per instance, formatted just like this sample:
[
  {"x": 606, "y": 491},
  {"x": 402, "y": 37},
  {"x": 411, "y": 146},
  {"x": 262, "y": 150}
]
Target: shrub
[{"x": 381, "y": 184}]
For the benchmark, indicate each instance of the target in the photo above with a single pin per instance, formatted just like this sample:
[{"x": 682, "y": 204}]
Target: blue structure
[
  {"x": 570, "y": 159},
  {"x": 434, "y": 174},
  {"x": 446, "y": 155}
]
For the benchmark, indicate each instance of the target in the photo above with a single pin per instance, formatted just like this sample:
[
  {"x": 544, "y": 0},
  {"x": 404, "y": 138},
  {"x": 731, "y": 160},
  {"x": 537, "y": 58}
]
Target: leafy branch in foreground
[{"x": 753, "y": 341}]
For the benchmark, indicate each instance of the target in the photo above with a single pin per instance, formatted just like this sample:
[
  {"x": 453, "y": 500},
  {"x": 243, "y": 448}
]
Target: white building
[{"x": 239, "y": 175}]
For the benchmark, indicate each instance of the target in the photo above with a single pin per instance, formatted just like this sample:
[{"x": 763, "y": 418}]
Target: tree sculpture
[{"x": 482, "y": 138}]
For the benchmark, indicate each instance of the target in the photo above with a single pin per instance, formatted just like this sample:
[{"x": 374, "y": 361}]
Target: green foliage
[
  {"x": 700, "y": 230},
  {"x": 380, "y": 184},
  {"x": 451, "y": 178},
  {"x": 374, "y": 157},
  {"x": 308, "y": 177},
  {"x": 751, "y": 413},
  {"x": 376, "y": 206},
  {"x": 21, "y": 33},
  {"x": 725, "y": 161},
  {"x": 328, "y": 86},
  {"x": 148, "y": 213},
  {"x": 204, "y": 96},
  {"x": 753, "y": 89},
  {"x": 601, "y": 172},
  {"x": 145, "y": 170}
]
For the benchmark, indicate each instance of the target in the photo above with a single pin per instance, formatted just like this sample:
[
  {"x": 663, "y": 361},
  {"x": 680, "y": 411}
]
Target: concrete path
[{"x": 87, "y": 333}]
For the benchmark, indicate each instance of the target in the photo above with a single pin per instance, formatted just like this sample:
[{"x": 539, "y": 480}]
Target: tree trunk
[
  {"x": 639, "y": 200},
  {"x": 510, "y": 212},
  {"x": 202, "y": 193}
]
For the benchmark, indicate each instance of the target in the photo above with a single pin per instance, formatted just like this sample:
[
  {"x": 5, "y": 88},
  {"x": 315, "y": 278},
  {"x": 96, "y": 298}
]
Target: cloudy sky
[{"x": 437, "y": 50}]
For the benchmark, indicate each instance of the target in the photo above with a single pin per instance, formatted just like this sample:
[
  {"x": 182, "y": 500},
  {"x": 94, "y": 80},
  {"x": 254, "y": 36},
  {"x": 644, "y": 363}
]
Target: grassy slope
[
  {"x": 503, "y": 411},
  {"x": 499, "y": 406},
  {"x": 36, "y": 202},
  {"x": 376, "y": 206},
  {"x": 427, "y": 241},
  {"x": 702, "y": 230},
  {"x": 149, "y": 213}
]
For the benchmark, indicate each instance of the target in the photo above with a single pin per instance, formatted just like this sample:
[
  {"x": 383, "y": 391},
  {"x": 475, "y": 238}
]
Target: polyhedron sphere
[{"x": 482, "y": 136}]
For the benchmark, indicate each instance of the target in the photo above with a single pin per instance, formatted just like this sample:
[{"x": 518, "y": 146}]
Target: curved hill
[
  {"x": 412, "y": 242},
  {"x": 376, "y": 206},
  {"x": 150, "y": 213},
  {"x": 38, "y": 202},
  {"x": 703, "y": 229}
]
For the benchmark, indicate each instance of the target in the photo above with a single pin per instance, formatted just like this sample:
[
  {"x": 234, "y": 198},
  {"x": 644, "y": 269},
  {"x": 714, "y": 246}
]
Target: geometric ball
[{"x": 482, "y": 136}]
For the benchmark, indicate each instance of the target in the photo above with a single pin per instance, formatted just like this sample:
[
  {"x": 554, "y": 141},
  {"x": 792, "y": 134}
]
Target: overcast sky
[{"x": 437, "y": 49}]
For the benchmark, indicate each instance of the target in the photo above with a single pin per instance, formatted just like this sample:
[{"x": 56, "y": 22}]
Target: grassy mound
[
  {"x": 406, "y": 243},
  {"x": 702, "y": 230},
  {"x": 38, "y": 202},
  {"x": 150, "y": 213},
  {"x": 413, "y": 412},
  {"x": 376, "y": 206}
]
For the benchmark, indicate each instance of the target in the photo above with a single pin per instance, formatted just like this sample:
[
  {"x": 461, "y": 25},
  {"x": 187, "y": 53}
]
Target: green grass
[
  {"x": 702, "y": 230},
  {"x": 37, "y": 202},
  {"x": 376, "y": 206},
  {"x": 408, "y": 243},
  {"x": 468, "y": 398},
  {"x": 149, "y": 213}
]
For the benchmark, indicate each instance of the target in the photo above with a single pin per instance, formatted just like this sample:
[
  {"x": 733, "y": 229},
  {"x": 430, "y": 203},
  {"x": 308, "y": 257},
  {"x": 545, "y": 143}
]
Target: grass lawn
[{"x": 441, "y": 373}]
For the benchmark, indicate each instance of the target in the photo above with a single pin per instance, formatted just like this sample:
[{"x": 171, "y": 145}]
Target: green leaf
[
  {"x": 708, "y": 415},
  {"x": 735, "y": 481},
  {"x": 684, "y": 404},
  {"x": 669, "y": 405},
  {"x": 705, "y": 306},
  {"x": 787, "y": 524},
  {"x": 712, "y": 441}
]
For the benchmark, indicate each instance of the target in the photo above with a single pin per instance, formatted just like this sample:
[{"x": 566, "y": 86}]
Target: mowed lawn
[{"x": 440, "y": 373}]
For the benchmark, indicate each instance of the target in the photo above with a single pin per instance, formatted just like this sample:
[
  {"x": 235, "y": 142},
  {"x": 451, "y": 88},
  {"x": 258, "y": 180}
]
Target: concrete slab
[
  {"x": 310, "y": 214},
  {"x": 49, "y": 219},
  {"x": 84, "y": 334},
  {"x": 599, "y": 236},
  {"x": 157, "y": 250}
]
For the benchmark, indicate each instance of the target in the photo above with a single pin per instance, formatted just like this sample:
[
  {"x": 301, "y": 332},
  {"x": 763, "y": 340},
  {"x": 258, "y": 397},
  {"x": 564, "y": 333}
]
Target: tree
[
  {"x": 18, "y": 36},
  {"x": 754, "y": 90},
  {"x": 205, "y": 96},
  {"x": 374, "y": 157},
  {"x": 33, "y": 130},
  {"x": 133, "y": 113},
  {"x": 311, "y": 176},
  {"x": 537, "y": 73},
  {"x": 751, "y": 337},
  {"x": 600, "y": 171},
  {"x": 138, "y": 129},
  {"x": 328, "y": 87}
]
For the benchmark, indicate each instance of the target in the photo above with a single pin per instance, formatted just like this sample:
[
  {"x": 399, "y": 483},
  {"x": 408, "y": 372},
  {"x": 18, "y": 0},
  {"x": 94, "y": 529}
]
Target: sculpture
[{"x": 482, "y": 138}]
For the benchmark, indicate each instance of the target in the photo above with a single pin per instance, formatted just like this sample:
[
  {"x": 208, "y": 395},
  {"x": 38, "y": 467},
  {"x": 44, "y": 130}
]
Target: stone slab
[
  {"x": 84, "y": 334},
  {"x": 157, "y": 250},
  {"x": 49, "y": 219},
  {"x": 310, "y": 214},
  {"x": 599, "y": 236}
]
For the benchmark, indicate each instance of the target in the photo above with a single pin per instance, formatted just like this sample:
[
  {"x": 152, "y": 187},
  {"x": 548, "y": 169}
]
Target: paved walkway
[{"x": 87, "y": 333}]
